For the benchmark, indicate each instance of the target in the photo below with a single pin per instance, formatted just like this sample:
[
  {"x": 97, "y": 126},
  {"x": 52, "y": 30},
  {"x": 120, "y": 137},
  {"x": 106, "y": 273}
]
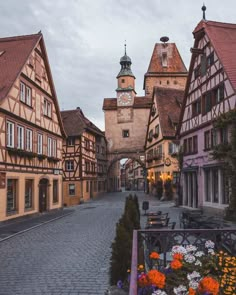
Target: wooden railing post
[{"x": 134, "y": 265}]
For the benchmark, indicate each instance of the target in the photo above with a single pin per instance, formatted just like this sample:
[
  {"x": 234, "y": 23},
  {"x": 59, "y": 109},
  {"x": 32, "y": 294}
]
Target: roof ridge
[
  {"x": 14, "y": 38},
  {"x": 220, "y": 24}
]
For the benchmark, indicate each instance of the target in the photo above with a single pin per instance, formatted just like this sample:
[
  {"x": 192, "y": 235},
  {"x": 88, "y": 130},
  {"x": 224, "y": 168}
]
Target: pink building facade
[{"x": 210, "y": 92}]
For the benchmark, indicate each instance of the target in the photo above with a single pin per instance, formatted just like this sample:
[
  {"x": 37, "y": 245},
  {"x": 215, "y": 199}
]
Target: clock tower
[{"x": 126, "y": 82}]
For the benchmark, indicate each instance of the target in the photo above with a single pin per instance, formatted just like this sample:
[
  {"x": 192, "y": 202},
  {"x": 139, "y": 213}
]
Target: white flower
[
  {"x": 191, "y": 248},
  {"x": 159, "y": 292},
  {"x": 199, "y": 253},
  {"x": 178, "y": 249},
  {"x": 189, "y": 258},
  {"x": 193, "y": 284},
  {"x": 193, "y": 275},
  {"x": 211, "y": 251},
  {"x": 198, "y": 262},
  {"x": 180, "y": 290},
  {"x": 209, "y": 244}
]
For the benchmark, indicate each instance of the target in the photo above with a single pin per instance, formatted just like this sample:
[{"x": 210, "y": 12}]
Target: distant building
[
  {"x": 165, "y": 82},
  {"x": 210, "y": 92},
  {"x": 84, "y": 158},
  {"x": 31, "y": 129}
]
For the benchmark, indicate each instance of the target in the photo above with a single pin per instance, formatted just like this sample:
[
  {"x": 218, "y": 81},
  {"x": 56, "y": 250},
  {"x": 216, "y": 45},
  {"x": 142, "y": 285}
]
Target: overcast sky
[{"x": 85, "y": 39}]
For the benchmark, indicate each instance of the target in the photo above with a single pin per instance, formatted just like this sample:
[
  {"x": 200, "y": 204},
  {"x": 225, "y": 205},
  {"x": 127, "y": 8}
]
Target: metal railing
[{"x": 162, "y": 241}]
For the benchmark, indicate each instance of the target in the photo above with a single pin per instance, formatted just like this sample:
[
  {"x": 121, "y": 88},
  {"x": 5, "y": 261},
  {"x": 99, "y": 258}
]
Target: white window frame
[
  {"x": 20, "y": 137},
  {"x": 29, "y": 140},
  {"x": 22, "y": 92},
  {"x": 40, "y": 144},
  {"x": 47, "y": 108},
  {"x": 10, "y": 134},
  {"x": 49, "y": 147},
  {"x": 70, "y": 165},
  {"x": 28, "y": 100},
  {"x": 54, "y": 148}
]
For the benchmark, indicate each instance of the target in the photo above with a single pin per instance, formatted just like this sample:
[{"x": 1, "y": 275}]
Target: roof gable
[{"x": 173, "y": 63}]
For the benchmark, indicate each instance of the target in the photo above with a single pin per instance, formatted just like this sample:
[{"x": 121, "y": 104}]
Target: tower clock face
[{"x": 124, "y": 98}]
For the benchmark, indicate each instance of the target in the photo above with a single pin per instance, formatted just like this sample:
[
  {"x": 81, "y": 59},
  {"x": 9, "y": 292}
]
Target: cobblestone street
[{"x": 67, "y": 256}]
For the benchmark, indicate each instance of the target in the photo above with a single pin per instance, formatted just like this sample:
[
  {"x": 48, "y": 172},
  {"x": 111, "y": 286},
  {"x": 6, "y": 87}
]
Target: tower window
[
  {"x": 125, "y": 133},
  {"x": 122, "y": 80},
  {"x": 164, "y": 59}
]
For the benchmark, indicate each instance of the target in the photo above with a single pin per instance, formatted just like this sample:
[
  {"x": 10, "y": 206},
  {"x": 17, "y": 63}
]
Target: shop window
[
  {"x": 215, "y": 186},
  {"x": 55, "y": 191},
  {"x": 71, "y": 189},
  {"x": 207, "y": 185},
  {"x": 29, "y": 189},
  {"x": 12, "y": 186}
]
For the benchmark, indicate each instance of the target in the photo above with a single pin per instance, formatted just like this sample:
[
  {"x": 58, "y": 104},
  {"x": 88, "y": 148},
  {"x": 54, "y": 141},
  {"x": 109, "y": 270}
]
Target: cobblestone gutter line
[{"x": 35, "y": 226}]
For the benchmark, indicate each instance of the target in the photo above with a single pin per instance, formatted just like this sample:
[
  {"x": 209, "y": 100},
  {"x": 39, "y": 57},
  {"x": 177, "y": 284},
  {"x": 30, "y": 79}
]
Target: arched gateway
[{"x": 126, "y": 118}]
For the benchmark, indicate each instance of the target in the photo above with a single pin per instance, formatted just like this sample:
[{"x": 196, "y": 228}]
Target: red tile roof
[
  {"x": 168, "y": 105},
  {"x": 16, "y": 52},
  {"x": 175, "y": 63},
  {"x": 139, "y": 102},
  {"x": 76, "y": 123},
  {"x": 223, "y": 38}
]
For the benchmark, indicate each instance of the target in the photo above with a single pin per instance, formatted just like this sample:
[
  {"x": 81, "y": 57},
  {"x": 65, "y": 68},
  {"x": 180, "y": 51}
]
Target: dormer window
[{"x": 164, "y": 59}]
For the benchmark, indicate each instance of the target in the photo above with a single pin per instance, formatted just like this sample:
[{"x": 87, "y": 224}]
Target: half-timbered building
[
  {"x": 31, "y": 129},
  {"x": 84, "y": 158},
  {"x": 161, "y": 147},
  {"x": 210, "y": 92}
]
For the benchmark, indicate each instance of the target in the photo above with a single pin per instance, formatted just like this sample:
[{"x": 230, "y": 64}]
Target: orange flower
[
  {"x": 178, "y": 256},
  {"x": 156, "y": 278},
  {"x": 154, "y": 255},
  {"x": 176, "y": 264},
  {"x": 191, "y": 291},
  {"x": 143, "y": 281},
  {"x": 209, "y": 285}
]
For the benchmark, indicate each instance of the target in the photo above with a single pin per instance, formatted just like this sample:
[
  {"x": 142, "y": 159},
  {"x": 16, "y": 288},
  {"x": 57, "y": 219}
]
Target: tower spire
[
  {"x": 125, "y": 47},
  {"x": 203, "y": 12}
]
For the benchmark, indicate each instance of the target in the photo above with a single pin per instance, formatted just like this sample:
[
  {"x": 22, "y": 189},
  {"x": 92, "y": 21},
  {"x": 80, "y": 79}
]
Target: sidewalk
[{"x": 19, "y": 225}]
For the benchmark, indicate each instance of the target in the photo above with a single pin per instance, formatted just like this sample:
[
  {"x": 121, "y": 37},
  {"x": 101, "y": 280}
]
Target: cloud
[{"x": 85, "y": 39}]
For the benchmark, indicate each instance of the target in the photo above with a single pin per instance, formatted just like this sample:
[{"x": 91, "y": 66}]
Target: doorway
[{"x": 43, "y": 195}]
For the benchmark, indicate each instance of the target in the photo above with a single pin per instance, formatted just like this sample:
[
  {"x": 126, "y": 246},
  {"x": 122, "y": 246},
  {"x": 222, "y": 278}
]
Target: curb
[{"x": 35, "y": 226}]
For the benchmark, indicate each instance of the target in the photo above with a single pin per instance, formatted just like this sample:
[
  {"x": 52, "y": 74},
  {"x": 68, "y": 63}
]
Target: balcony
[{"x": 162, "y": 241}]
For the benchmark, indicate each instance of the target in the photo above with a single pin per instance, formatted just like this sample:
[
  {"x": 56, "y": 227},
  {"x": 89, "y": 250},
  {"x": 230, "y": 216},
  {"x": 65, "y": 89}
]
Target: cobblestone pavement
[{"x": 68, "y": 256}]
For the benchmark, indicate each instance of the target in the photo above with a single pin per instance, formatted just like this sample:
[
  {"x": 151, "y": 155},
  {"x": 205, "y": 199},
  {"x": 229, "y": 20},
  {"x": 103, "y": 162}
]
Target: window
[
  {"x": 214, "y": 140},
  {"x": 197, "y": 71},
  {"x": 207, "y": 185},
  {"x": 49, "y": 147},
  {"x": 156, "y": 133},
  {"x": 20, "y": 137},
  {"x": 25, "y": 94},
  {"x": 10, "y": 134},
  {"x": 87, "y": 166},
  {"x": 87, "y": 144},
  {"x": 203, "y": 65},
  {"x": 195, "y": 144},
  {"x": 164, "y": 59},
  {"x": 125, "y": 133},
  {"x": 29, "y": 185},
  {"x": 54, "y": 148},
  {"x": 98, "y": 149},
  {"x": 29, "y": 140},
  {"x": 210, "y": 59},
  {"x": 12, "y": 195},
  {"x": 70, "y": 141},
  {"x": 150, "y": 135},
  {"x": 71, "y": 189},
  {"x": 206, "y": 101},
  {"x": 69, "y": 165},
  {"x": 173, "y": 148},
  {"x": 40, "y": 144},
  {"x": 185, "y": 146},
  {"x": 28, "y": 96},
  {"x": 207, "y": 140},
  {"x": 47, "y": 108},
  {"x": 122, "y": 80},
  {"x": 93, "y": 167},
  {"x": 226, "y": 188},
  {"x": 103, "y": 150},
  {"x": 87, "y": 186},
  {"x": 218, "y": 94},
  {"x": 22, "y": 92},
  {"x": 196, "y": 108},
  {"x": 190, "y": 145},
  {"x": 215, "y": 187},
  {"x": 55, "y": 191},
  {"x": 223, "y": 135}
]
